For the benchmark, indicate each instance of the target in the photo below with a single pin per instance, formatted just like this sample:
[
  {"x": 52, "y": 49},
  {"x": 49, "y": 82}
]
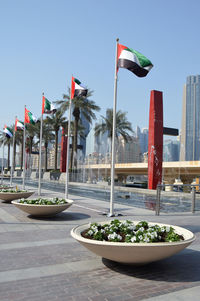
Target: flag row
[{"x": 126, "y": 58}]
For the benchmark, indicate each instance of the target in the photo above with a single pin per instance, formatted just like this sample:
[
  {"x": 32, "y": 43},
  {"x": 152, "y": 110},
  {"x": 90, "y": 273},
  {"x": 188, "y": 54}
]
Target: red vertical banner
[
  {"x": 155, "y": 140},
  {"x": 63, "y": 155}
]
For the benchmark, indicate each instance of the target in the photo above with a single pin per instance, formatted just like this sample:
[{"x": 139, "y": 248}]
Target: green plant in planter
[
  {"x": 40, "y": 201},
  {"x": 130, "y": 232},
  {"x": 12, "y": 190}
]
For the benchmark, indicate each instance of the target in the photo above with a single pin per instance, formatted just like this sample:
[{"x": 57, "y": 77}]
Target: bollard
[
  {"x": 193, "y": 199},
  {"x": 158, "y": 200}
]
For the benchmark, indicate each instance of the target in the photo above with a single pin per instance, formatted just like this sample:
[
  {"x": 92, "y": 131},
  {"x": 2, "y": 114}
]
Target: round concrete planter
[
  {"x": 134, "y": 253},
  {"x": 9, "y": 196},
  {"x": 42, "y": 210}
]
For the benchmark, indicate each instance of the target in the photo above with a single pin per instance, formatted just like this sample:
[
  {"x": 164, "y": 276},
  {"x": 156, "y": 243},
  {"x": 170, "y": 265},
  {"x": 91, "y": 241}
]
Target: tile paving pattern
[{"x": 108, "y": 281}]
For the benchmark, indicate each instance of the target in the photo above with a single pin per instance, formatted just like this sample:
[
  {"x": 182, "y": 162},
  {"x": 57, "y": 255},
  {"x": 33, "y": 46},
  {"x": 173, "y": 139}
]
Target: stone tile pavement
[{"x": 39, "y": 260}]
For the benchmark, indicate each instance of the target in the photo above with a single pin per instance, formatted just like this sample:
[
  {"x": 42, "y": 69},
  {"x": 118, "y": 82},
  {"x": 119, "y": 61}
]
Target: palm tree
[
  {"x": 47, "y": 136},
  {"x": 7, "y": 141},
  {"x": 32, "y": 130},
  {"x": 56, "y": 121},
  {"x": 81, "y": 105},
  {"x": 123, "y": 126}
]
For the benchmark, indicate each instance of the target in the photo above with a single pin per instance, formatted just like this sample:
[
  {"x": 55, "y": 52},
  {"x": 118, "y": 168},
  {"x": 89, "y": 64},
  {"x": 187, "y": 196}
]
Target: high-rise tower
[{"x": 190, "y": 132}]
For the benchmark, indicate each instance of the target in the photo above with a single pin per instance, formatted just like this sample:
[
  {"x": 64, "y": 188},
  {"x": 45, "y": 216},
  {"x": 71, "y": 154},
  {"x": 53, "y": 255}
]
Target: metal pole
[
  {"x": 24, "y": 149},
  {"x": 2, "y": 166},
  {"x": 12, "y": 166},
  {"x": 193, "y": 199},
  {"x": 111, "y": 213},
  {"x": 158, "y": 200},
  {"x": 40, "y": 156},
  {"x": 68, "y": 144}
]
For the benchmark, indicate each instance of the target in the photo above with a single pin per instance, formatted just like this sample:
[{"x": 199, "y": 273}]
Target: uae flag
[
  {"x": 19, "y": 125},
  {"x": 133, "y": 60},
  {"x": 47, "y": 106},
  {"x": 7, "y": 131},
  {"x": 77, "y": 89},
  {"x": 29, "y": 118}
]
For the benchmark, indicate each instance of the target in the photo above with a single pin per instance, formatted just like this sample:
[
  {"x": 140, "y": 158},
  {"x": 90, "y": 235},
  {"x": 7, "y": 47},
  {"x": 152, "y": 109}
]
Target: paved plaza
[{"x": 39, "y": 260}]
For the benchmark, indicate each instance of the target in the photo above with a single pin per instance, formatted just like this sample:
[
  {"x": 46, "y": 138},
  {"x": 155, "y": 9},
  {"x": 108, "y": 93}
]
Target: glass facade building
[{"x": 190, "y": 132}]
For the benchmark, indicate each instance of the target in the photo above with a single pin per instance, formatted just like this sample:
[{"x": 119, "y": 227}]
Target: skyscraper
[{"x": 190, "y": 132}]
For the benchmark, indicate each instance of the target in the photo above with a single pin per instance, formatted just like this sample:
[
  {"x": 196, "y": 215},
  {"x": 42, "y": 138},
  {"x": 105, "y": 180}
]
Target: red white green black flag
[
  {"x": 47, "y": 106},
  {"x": 133, "y": 60},
  {"x": 7, "y": 131},
  {"x": 19, "y": 125},
  {"x": 77, "y": 88},
  {"x": 29, "y": 117}
]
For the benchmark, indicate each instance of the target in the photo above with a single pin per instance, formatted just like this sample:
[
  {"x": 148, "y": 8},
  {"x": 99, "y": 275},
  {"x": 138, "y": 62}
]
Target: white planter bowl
[
  {"x": 134, "y": 253},
  {"x": 9, "y": 196},
  {"x": 42, "y": 210}
]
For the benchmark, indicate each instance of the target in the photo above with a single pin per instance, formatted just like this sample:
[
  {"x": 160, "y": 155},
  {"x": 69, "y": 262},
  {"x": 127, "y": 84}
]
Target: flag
[
  {"x": 7, "y": 131},
  {"x": 19, "y": 125},
  {"x": 47, "y": 106},
  {"x": 77, "y": 89},
  {"x": 29, "y": 118},
  {"x": 133, "y": 60}
]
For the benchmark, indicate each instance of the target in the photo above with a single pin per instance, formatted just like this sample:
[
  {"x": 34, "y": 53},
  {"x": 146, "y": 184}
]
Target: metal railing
[{"x": 161, "y": 187}]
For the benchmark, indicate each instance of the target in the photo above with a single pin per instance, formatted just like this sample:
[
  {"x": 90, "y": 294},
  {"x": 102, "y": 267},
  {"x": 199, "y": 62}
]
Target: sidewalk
[{"x": 39, "y": 260}]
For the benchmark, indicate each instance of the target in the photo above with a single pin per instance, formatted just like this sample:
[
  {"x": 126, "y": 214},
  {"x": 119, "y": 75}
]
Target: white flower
[
  {"x": 90, "y": 232},
  {"x": 131, "y": 227},
  {"x": 114, "y": 236},
  {"x": 167, "y": 229},
  {"x": 146, "y": 239},
  {"x": 102, "y": 231},
  {"x": 94, "y": 228},
  {"x": 141, "y": 229},
  {"x": 133, "y": 239},
  {"x": 140, "y": 237},
  {"x": 162, "y": 229}
]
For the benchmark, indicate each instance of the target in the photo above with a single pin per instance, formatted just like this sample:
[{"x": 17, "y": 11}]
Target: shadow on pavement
[
  {"x": 183, "y": 267},
  {"x": 64, "y": 216}
]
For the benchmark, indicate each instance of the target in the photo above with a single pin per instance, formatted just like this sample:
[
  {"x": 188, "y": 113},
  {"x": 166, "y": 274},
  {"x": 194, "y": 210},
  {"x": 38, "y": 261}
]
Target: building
[
  {"x": 128, "y": 152},
  {"x": 98, "y": 144},
  {"x": 143, "y": 139},
  {"x": 171, "y": 150},
  {"x": 190, "y": 128}
]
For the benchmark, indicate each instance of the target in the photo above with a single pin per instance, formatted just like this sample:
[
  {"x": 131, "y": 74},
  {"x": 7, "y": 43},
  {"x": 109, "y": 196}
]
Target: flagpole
[
  {"x": 68, "y": 144},
  {"x": 111, "y": 213},
  {"x": 24, "y": 148},
  {"x": 2, "y": 166},
  {"x": 12, "y": 166},
  {"x": 40, "y": 154}
]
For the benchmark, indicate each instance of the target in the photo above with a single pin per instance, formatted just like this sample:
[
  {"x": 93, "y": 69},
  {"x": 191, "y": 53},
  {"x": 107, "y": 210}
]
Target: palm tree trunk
[
  {"x": 56, "y": 149},
  {"x": 8, "y": 161},
  {"x": 14, "y": 156},
  {"x": 46, "y": 153},
  {"x": 22, "y": 150},
  {"x": 72, "y": 154},
  {"x": 75, "y": 140},
  {"x": 31, "y": 145}
]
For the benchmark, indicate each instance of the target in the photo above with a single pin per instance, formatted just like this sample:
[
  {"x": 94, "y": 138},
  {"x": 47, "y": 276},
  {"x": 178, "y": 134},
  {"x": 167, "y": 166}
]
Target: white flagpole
[
  {"x": 68, "y": 144},
  {"x": 12, "y": 166},
  {"x": 40, "y": 155},
  {"x": 24, "y": 149},
  {"x": 111, "y": 213},
  {"x": 2, "y": 166}
]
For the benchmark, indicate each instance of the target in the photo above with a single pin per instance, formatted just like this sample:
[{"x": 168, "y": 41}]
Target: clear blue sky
[{"x": 44, "y": 42}]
